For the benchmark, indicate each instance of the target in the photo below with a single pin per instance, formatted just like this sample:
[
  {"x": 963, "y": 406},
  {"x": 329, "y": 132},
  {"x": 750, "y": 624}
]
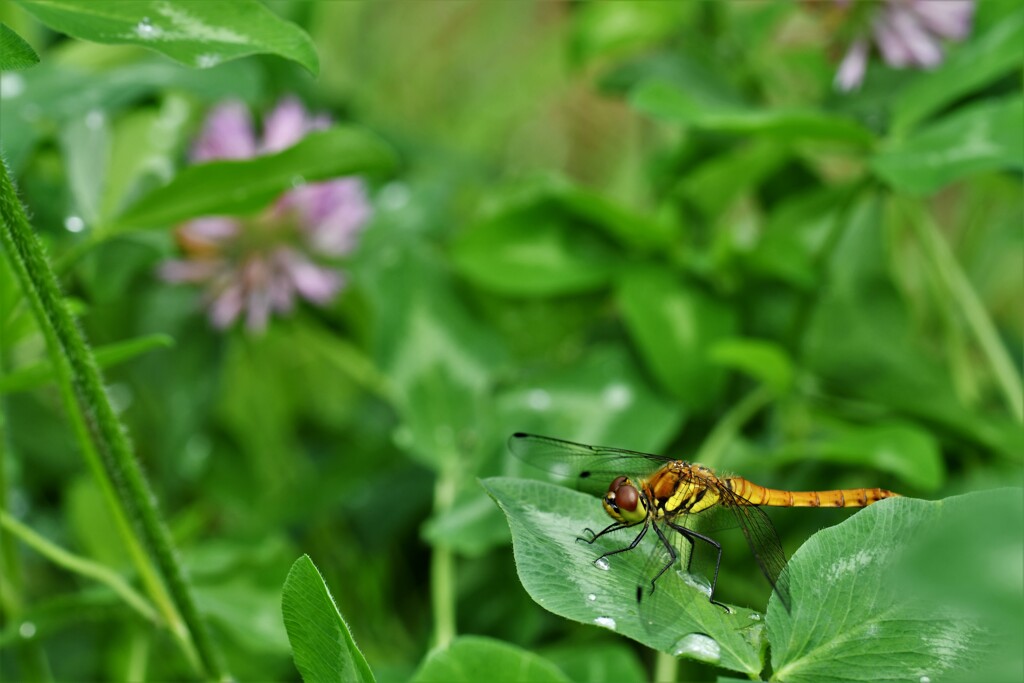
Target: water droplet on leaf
[
  {"x": 698, "y": 646},
  {"x": 607, "y": 622}
]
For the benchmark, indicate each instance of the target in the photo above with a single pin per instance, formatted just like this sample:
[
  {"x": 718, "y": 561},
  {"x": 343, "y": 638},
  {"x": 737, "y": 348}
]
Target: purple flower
[
  {"x": 908, "y": 34},
  {"x": 258, "y": 266}
]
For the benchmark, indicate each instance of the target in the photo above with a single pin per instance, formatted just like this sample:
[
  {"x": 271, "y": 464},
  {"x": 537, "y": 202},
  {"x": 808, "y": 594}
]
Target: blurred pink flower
[
  {"x": 257, "y": 266},
  {"x": 907, "y": 33}
]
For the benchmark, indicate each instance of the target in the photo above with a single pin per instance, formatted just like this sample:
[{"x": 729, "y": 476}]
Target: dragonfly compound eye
[
  {"x": 626, "y": 497},
  {"x": 614, "y": 486}
]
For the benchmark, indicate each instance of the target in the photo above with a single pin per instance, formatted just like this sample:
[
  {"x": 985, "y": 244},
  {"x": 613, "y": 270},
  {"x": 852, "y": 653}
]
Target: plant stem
[
  {"x": 72, "y": 357},
  {"x": 666, "y": 668},
  {"x": 960, "y": 291},
  {"x": 80, "y": 565},
  {"x": 442, "y": 567}
]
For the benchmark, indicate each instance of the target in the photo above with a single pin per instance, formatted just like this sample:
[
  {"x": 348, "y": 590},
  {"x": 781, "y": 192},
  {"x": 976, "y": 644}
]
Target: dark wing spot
[
  {"x": 584, "y": 474},
  {"x": 519, "y": 435},
  {"x": 639, "y": 593}
]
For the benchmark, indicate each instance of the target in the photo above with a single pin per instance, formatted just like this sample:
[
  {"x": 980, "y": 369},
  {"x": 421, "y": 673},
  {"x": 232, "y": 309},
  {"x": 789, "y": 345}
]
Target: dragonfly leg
[
  {"x": 673, "y": 556},
  {"x": 690, "y": 535},
  {"x": 632, "y": 545},
  {"x": 614, "y": 526}
]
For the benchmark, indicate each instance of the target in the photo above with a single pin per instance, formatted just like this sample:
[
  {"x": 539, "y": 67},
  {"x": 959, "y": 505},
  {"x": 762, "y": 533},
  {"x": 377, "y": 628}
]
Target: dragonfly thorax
[{"x": 624, "y": 502}]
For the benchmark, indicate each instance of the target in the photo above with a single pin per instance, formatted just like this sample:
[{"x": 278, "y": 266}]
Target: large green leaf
[
  {"x": 981, "y": 137},
  {"x": 200, "y": 34},
  {"x": 715, "y": 184},
  {"x": 539, "y": 250},
  {"x": 676, "y": 325},
  {"x": 15, "y": 53},
  {"x": 903, "y": 590},
  {"x": 603, "y": 28},
  {"x": 973, "y": 65},
  {"x": 52, "y": 94},
  {"x": 322, "y": 645},
  {"x": 559, "y": 573},
  {"x": 471, "y": 658},
  {"x": 671, "y": 103},
  {"x": 603, "y": 399},
  {"x": 239, "y": 187},
  {"x": 597, "y": 661},
  {"x": 893, "y": 446}
]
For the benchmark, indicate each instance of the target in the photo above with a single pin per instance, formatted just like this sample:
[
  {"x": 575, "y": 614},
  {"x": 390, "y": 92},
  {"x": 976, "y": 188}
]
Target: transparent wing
[
  {"x": 583, "y": 467},
  {"x": 762, "y": 539}
]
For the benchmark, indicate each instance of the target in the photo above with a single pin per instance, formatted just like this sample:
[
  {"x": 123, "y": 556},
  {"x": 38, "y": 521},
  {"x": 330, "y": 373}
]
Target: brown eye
[
  {"x": 619, "y": 481},
  {"x": 627, "y": 497}
]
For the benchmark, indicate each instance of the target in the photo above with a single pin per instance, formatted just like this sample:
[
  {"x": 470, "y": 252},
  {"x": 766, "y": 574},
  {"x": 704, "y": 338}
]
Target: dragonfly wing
[
  {"x": 763, "y": 541},
  {"x": 583, "y": 467}
]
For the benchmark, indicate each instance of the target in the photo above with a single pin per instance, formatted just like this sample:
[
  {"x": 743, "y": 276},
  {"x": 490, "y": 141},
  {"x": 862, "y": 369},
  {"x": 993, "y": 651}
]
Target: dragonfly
[{"x": 671, "y": 496}]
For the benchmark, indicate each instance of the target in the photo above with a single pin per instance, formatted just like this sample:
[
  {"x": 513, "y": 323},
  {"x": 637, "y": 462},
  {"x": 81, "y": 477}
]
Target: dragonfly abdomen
[{"x": 838, "y": 498}]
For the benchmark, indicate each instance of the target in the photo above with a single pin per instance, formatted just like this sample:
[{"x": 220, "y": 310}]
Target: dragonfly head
[{"x": 624, "y": 503}]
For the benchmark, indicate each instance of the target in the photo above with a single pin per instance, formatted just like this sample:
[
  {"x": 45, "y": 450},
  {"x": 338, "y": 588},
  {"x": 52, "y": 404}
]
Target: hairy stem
[{"x": 73, "y": 357}]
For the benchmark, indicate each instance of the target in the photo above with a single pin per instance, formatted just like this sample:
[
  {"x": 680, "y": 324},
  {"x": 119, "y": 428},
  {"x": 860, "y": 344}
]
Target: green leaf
[
  {"x": 790, "y": 243},
  {"x": 675, "y": 325},
  {"x": 537, "y": 250},
  {"x": 322, "y": 645},
  {"x": 902, "y": 590},
  {"x": 470, "y": 659},
  {"x": 559, "y": 574},
  {"x": 144, "y": 149},
  {"x": 597, "y": 662},
  {"x": 470, "y": 527},
  {"x": 982, "y": 137},
  {"x": 673, "y": 104},
  {"x": 859, "y": 307},
  {"x": 970, "y": 67},
  {"x": 764, "y": 361},
  {"x": 15, "y": 53},
  {"x": 602, "y": 399},
  {"x": 199, "y": 34},
  {"x": 603, "y": 28},
  {"x": 85, "y": 142},
  {"x": 240, "y": 187},
  {"x": 437, "y": 357},
  {"x": 38, "y": 374},
  {"x": 900, "y": 448},
  {"x": 54, "y": 93},
  {"x": 718, "y": 182}
]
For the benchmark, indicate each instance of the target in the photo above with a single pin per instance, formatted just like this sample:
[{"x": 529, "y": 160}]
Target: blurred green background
[{"x": 628, "y": 224}]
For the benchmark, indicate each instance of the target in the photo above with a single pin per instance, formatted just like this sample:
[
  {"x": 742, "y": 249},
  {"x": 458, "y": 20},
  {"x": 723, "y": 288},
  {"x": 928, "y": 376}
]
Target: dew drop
[
  {"x": 755, "y": 616},
  {"x": 696, "y": 581},
  {"x": 94, "y": 119},
  {"x": 208, "y": 60},
  {"x": 617, "y": 396},
  {"x": 602, "y": 564},
  {"x": 27, "y": 630},
  {"x": 538, "y": 399},
  {"x": 925, "y": 679},
  {"x": 394, "y": 196},
  {"x": 145, "y": 29},
  {"x": 120, "y": 396},
  {"x": 297, "y": 181},
  {"x": 607, "y": 622},
  {"x": 591, "y": 597},
  {"x": 11, "y": 86},
  {"x": 698, "y": 646},
  {"x": 74, "y": 224}
]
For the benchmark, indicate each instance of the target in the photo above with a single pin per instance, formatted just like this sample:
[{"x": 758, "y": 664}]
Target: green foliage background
[{"x": 647, "y": 225}]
